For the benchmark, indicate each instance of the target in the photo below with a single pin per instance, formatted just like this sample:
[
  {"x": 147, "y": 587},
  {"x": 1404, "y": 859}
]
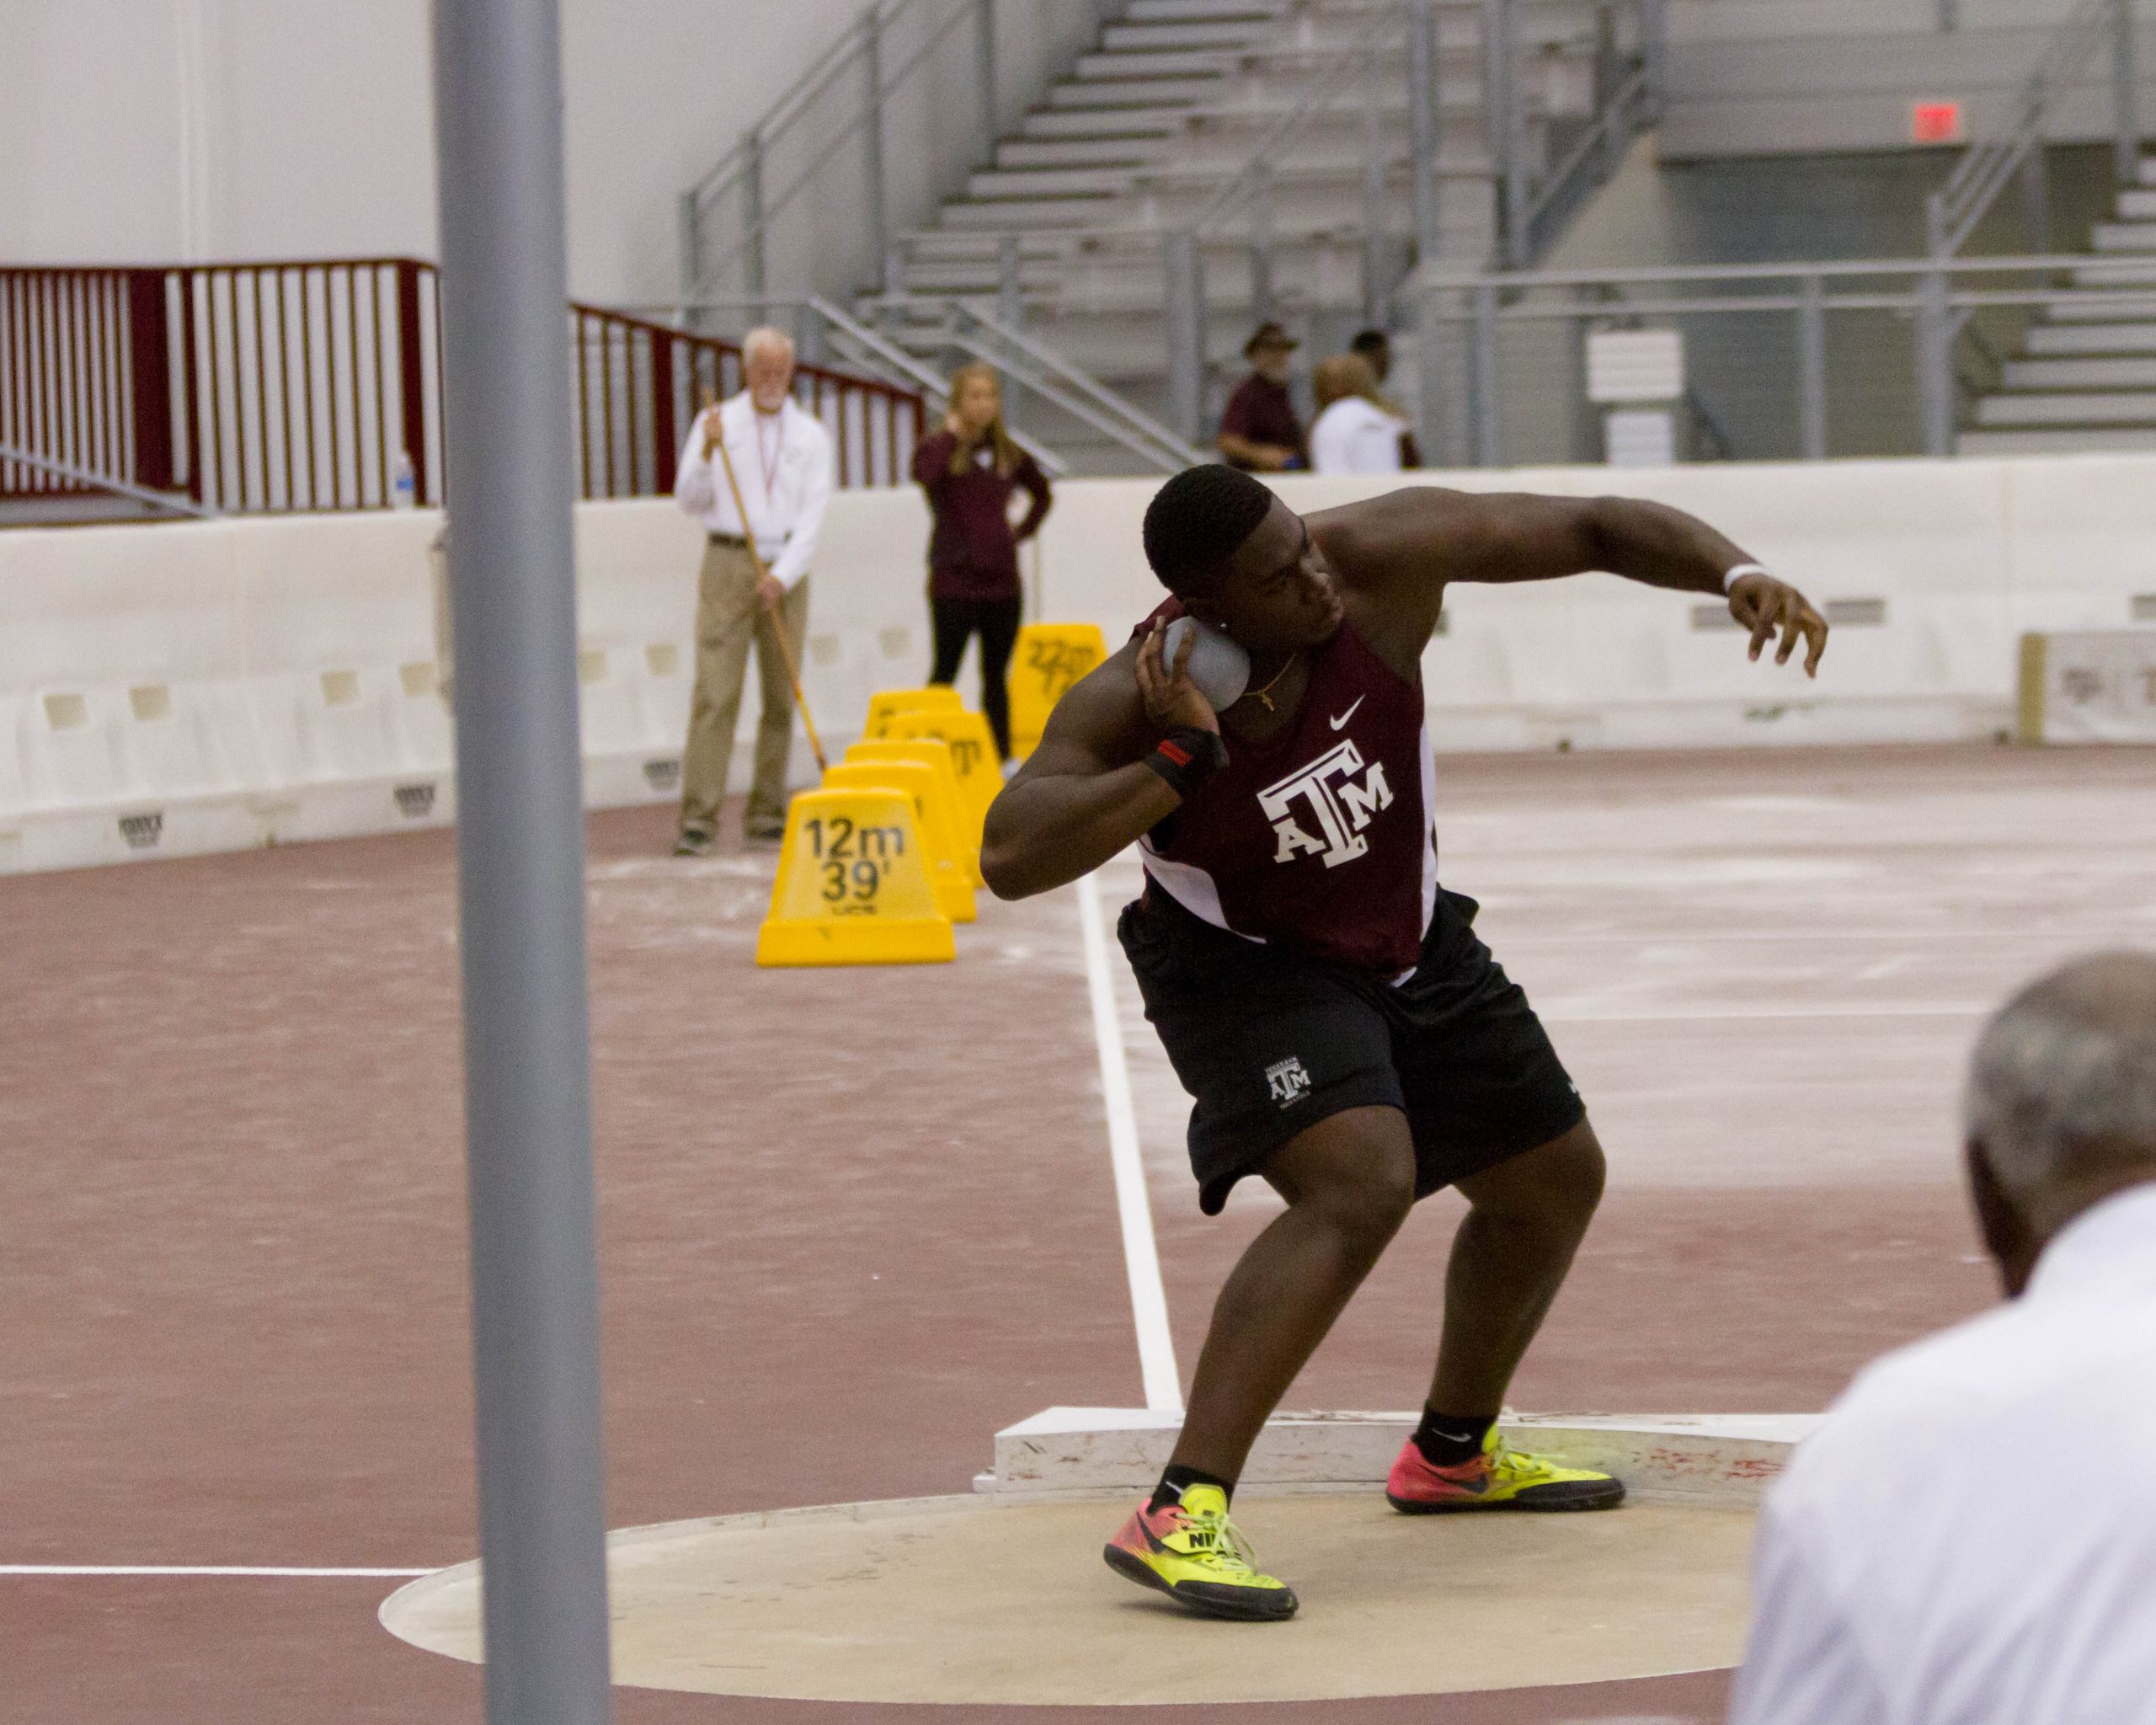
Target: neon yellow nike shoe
[
  {"x": 1500, "y": 1477},
  {"x": 1192, "y": 1553}
]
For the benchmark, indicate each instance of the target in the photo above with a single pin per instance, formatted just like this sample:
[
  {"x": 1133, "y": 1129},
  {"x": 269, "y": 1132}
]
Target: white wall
[
  {"x": 157, "y": 130},
  {"x": 209, "y": 687}
]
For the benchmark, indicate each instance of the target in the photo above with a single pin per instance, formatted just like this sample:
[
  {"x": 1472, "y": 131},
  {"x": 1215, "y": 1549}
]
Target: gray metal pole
[
  {"x": 1497, "y": 98},
  {"x": 689, "y": 215},
  {"x": 1422, "y": 124},
  {"x": 1375, "y": 247},
  {"x": 872, "y": 143},
  {"x": 1812, "y": 369},
  {"x": 2126, "y": 117},
  {"x": 1654, "y": 59},
  {"x": 535, "y": 1295},
  {"x": 984, "y": 73},
  {"x": 1010, "y": 311},
  {"x": 1185, "y": 282},
  {"x": 1261, "y": 242},
  {"x": 1489, "y": 451},
  {"x": 752, "y": 221},
  {"x": 1434, "y": 414},
  {"x": 1518, "y": 242},
  {"x": 2036, "y": 186},
  {"x": 1010, "y": 301},
  {"x": 1935, "y": 364}
]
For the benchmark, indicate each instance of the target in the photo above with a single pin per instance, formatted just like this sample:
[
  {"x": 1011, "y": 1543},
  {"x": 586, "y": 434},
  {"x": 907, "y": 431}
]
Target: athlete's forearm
[
  {"x": 1045, "y": 832},
  {"x": 1662, "y": 547}
]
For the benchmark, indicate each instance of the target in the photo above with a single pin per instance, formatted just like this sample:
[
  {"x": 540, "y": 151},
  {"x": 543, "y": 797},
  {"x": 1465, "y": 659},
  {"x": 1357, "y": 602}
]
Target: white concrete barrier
[{"x": 206, "y": 686}]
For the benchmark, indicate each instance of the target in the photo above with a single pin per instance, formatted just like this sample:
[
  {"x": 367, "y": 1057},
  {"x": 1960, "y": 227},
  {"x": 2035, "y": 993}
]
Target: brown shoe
[
  {"x": 694, "y": 842},
  {"x": 763, "y": 837}
]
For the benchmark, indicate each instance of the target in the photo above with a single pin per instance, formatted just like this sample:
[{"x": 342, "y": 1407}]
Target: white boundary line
[
  {"x": 1148, "y": 1298},
  {"x": 234, "y": 1570}
]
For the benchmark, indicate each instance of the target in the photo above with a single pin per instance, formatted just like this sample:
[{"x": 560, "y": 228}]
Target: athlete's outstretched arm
[
  {"x": 1410, "y": 543},
  {"x": 1086, "y": 792}
]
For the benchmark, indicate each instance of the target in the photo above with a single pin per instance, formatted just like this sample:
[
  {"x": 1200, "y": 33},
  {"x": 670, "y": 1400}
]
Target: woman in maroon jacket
[{"x": 970, "y": 469}]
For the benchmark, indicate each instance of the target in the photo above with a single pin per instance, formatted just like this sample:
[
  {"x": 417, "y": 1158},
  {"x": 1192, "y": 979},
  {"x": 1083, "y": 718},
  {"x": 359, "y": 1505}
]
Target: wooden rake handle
[{"x": 778, "y": 619}]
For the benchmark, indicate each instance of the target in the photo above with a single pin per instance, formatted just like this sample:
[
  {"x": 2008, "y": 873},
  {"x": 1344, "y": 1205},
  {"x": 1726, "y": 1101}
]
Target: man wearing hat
[{"x": 1259, "y": 431}]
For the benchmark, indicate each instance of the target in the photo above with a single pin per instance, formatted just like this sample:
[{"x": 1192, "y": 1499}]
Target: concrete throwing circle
[{"x": 965, "y": 1600}]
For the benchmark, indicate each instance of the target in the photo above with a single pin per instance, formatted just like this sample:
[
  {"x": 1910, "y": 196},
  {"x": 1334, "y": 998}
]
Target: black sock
[
  {"x": 1176, "y": 1479},
  {"x": 1446, "y": 1439}
]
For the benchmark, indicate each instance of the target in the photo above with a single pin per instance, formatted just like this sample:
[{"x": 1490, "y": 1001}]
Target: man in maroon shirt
[
  {"x": 1346, "y": 1035},
  {"x": 1259, "y": 431}
]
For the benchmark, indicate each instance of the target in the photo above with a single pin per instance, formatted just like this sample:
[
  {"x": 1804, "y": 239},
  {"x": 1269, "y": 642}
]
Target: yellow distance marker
[
  {"x": 1050, "y": 657},
  {"x": 887, "y": 704},
  {"x": 973, "y": 762},
  {"x": 935, "y": 754},
  {"x": 932, "y": 809},
  {"x": 853, "y": 885}
]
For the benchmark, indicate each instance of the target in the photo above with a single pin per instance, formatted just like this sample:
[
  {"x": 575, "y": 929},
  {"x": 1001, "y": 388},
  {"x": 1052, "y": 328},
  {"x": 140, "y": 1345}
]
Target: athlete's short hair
[{"x": 1198, "y": 519}]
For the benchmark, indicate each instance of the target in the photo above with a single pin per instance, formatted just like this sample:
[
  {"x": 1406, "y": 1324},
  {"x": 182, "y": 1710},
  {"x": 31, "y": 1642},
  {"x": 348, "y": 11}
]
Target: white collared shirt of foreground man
[
  {"x": 782, "y": 462},
  {"x": 1970, "y": 1538}
]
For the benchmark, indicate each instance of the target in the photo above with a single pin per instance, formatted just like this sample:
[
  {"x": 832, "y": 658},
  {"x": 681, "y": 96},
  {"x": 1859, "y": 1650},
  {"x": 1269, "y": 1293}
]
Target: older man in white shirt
[
  {"x": 782, "y": 466},
  {"x": 1970, "y": 1539}
]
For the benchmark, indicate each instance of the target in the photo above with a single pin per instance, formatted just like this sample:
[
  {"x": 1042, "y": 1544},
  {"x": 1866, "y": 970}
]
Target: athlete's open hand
[
  {"x": 1763, "y": 605},
  {"x": 1172, "y": 699}
]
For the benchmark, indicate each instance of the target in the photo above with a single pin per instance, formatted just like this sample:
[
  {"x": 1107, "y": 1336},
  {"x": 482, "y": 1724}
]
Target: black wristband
[{"x": 1187, "y": 757}]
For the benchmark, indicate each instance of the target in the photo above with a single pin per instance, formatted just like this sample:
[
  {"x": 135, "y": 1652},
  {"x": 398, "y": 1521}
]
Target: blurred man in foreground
[{"x": 1972, "y": 1535}]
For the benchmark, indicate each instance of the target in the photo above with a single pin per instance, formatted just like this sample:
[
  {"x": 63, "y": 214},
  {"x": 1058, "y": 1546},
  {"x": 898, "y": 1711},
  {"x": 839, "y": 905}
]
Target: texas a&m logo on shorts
[
  {"x": 1287, "y": 1081},
  {"x": 1327, "y": 795}
]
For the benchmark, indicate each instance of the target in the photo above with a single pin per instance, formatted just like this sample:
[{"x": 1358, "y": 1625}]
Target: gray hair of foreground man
[{"x": 2060, "y": 1110}]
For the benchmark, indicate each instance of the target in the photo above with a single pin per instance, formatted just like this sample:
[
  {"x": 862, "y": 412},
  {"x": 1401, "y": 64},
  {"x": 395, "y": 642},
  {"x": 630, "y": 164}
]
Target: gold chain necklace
[{"x": 1265, "y": 694}]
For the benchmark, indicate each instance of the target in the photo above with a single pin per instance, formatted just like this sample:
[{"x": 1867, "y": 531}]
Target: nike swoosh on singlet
[{"x": 1349, "y": 715}]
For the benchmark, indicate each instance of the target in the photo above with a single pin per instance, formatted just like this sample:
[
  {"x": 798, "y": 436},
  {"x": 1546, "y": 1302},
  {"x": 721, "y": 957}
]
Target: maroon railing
[{"x": 277, "y": 387}]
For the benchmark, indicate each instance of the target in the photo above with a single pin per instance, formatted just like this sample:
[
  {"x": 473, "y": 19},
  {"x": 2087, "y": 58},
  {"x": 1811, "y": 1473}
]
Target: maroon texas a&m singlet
[{"x": 1320, "y": 839}]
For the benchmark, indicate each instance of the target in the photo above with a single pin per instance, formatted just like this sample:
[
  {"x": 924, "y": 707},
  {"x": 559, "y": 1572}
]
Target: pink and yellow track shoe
[
  {"x": 1500, "y": 1477},
  {"x": 1192, "y": 1553}
]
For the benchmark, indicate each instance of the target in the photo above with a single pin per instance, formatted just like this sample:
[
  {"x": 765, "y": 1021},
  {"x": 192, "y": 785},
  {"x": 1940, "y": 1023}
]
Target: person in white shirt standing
[
  {"x": 1971, "y": 1536},
  {"x": 782, "y": 461},
  {"x": 1355, "y": 432}
]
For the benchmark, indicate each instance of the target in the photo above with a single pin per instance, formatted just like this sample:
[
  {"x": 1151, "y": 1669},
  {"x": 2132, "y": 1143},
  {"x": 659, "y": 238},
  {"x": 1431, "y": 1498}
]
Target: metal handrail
[
  {"x": 926, "y": 376},
  {"x": 1569, "y": 175},
  {"x": 775, "y": 121},
  {"x": 2044, "y": 262},
  {"x": 92, "y": 480},
  {"x": 1076, "y": 377},
  {"x": 1049, "y": 374},
  {"x": 1941, "y": 293},
  {"x": 768, "y": 212},
  {"x": 1987, "y": 168},
  {"x": 1292, "y": 125}
]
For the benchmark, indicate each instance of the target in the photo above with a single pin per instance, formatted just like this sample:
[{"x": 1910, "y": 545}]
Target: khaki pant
[{"x": 729, "y": 614}]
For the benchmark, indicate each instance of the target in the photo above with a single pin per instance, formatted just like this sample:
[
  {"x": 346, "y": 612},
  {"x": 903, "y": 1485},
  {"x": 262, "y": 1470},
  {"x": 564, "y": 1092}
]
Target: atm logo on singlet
[{"x": 1321, "y": 810}]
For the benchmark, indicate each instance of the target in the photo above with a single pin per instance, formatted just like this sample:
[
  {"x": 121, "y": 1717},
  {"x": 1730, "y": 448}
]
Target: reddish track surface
[{"x": 852, "y": 1222}]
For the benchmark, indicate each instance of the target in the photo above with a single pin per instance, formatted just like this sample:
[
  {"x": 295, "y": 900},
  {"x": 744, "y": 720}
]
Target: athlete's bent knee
[
  {"x": 1369, "y": 1202},
  {"x": 1359, "y": 1182},
  {"x": 1556, "y": 1185}
]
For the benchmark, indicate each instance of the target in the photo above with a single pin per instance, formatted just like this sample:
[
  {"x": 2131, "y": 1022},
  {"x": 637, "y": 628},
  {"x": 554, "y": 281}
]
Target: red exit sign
[{"x": 1935, "y": 122}]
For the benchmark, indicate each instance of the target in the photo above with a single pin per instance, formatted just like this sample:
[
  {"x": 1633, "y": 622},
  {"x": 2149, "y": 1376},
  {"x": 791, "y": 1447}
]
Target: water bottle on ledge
[{"x": 403, "y": 483}]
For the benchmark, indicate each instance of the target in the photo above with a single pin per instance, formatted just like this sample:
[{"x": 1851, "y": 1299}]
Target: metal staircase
[
  {"x": 1273, "y": 144},
  {"x": 2086, "y": 377}
]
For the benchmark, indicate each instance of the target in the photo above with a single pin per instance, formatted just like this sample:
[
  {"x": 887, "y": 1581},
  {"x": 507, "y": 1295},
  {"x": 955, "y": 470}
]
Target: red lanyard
[{"x": 768, "y": 464}]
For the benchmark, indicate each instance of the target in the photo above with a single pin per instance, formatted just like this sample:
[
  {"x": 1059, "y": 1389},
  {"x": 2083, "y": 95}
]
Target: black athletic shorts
[{"x": 1269, "y": 1044}]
